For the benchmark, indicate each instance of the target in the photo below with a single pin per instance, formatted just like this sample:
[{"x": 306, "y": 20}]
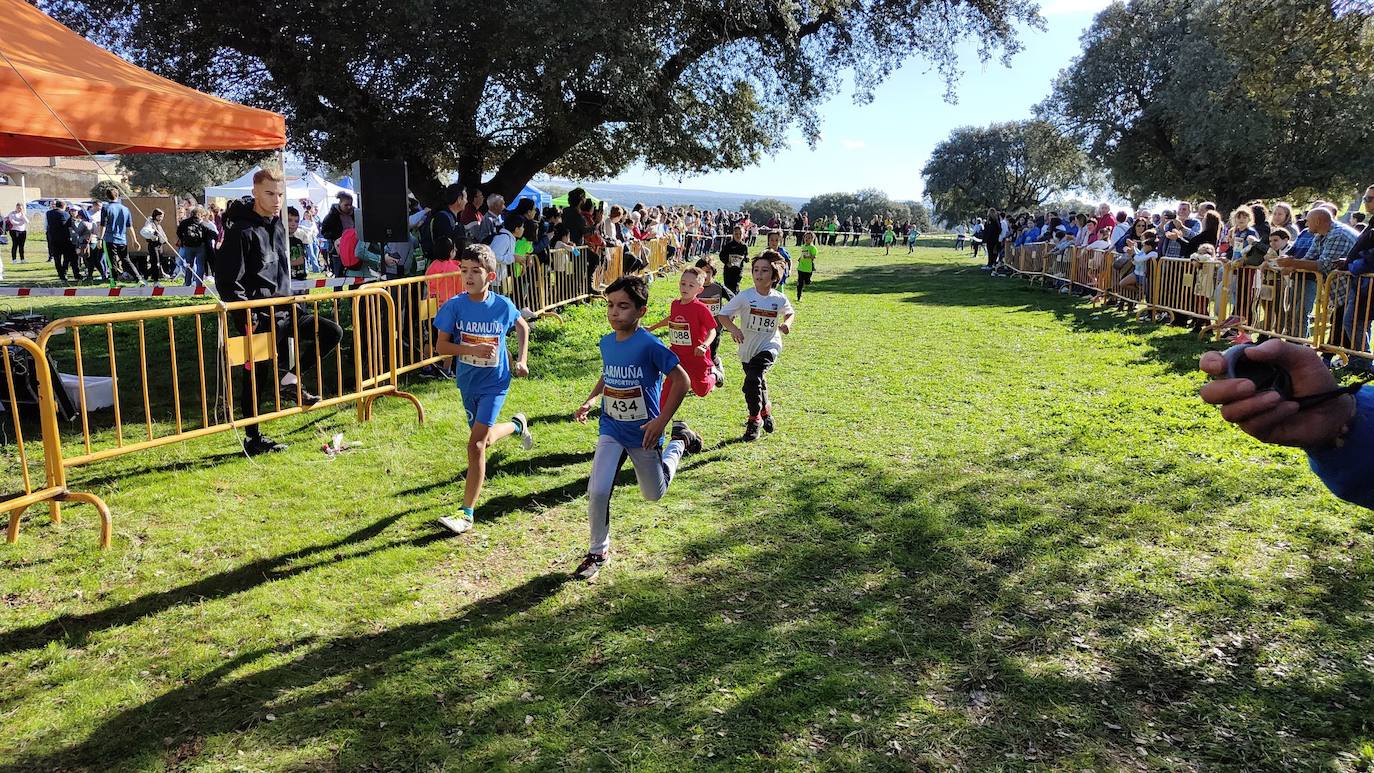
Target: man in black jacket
[
  {"x": 442, "y": 222},
  {"x": 61, "y": 251},
  {"x": 255, "y": 263}
]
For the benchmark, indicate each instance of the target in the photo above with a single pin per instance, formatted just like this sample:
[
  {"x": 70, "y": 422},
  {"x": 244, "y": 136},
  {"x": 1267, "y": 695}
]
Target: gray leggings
[{"x": 653, "y": 470}]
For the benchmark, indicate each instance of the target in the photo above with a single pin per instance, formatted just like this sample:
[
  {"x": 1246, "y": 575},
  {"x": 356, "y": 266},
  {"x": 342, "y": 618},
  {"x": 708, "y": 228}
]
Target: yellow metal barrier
[
  {"x": 1278, "y": 303},
  {"x": 1182, "y": 287},
  {"x": 24, "y": 363},
  {"x": 176, "y": 375},
  {"x": 1343, "y": 315}
]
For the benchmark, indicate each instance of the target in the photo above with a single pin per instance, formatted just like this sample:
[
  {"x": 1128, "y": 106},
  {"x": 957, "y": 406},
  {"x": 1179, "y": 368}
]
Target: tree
[
  {"x": 1015, "y": 165},
  {"x": 865, "y": 203},
  {"x": 1229, "y": 101},
  {"x": 186, "y": 174},
  {"x": 98, "y": 191},
  {"x": 763, "y": 210},
  {"x": 578, "y": 89},
  {"x": 920, "y": 216}
]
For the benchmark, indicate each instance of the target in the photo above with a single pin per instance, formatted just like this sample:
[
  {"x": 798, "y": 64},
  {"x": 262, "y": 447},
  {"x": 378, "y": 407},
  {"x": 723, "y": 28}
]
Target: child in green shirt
[{"x": 806, "y": 264}]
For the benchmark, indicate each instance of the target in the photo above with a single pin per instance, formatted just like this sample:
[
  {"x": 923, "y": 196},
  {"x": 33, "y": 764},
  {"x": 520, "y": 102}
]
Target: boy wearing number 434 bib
[
  {"x": 765, "y": 317},
  {"x": 633, "y": 365},
  {"x": 473, "y": 326}
]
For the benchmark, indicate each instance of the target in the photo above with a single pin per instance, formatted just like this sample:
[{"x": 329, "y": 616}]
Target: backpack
[
  {"x": 348, "y": 248},
  {"x": 192, "y": 234}
]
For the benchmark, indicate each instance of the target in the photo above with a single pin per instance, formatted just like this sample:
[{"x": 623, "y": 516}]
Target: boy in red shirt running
[{"x": 691, "y": 328}]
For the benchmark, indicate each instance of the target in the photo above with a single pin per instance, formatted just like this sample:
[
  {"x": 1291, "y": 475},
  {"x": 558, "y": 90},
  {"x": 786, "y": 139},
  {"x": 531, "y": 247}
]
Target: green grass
[{"x": 996, "y": 530}]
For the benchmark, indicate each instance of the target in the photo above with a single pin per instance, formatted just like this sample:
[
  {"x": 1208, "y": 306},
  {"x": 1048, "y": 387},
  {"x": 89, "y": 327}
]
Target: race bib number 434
[
  {"x": 624, "y": 404},
  {"x": 761, "y": 321},
  {"x": 679, "y": 334},
  {"x": 472, "y": 339}
]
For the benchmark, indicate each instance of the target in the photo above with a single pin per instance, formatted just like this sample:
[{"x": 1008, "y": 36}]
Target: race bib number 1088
[{"x": 680, "y": 334}]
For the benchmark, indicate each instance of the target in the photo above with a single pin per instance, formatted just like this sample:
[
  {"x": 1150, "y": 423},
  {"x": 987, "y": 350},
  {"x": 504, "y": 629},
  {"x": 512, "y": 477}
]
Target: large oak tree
[
  {"x": 1223, "y": 99},
  {"x": 1015, "y": 165},
  {"x": 501, "y": 91}
]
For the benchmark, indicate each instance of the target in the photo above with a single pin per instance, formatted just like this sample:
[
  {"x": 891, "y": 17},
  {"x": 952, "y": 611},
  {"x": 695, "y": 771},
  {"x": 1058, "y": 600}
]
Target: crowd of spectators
[{"x": 1274, "y": 236}]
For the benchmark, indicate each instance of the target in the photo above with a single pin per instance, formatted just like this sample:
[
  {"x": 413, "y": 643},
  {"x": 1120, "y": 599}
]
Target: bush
[{"x": 98, "y": 190}]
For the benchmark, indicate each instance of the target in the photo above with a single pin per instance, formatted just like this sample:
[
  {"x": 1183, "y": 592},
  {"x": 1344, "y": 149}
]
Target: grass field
[{"x": 996, "y": 530}]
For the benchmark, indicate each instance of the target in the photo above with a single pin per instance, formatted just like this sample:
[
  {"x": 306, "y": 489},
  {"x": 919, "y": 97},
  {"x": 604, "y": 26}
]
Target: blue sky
[{"x": 884, "y": 144}]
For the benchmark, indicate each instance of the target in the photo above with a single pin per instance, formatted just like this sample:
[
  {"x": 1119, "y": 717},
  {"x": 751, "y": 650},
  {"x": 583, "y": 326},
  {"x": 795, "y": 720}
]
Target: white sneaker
[
  {"x": 526, "y": 437},
  {"x": 458, "y": 524}
]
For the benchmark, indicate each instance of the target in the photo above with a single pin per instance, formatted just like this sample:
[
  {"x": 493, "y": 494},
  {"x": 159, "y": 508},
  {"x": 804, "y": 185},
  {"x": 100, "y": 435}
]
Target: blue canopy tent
[{"x": 541, "y": 198}]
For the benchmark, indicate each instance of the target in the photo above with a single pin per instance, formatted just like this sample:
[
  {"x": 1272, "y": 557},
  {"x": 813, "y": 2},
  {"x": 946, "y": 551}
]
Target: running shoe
[
  {"x": 523, "y": 425},
  {"x": 691, "y": 441},
  {"x": 262, "y": 444},
  {"x": 768, "y": 423},
  {"x": 751, "y": 432},
  {"x": 458, "y": 524},
  {"x": 590, "y": 566}
]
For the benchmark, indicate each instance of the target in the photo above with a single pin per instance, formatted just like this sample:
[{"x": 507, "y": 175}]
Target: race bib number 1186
[{"x": 762, "y": 321}]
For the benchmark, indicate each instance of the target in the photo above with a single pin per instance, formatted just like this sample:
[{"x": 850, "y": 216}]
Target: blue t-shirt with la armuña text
[
  {"x": 472, "y": 322},
  {"x": 632, "y": 371}
]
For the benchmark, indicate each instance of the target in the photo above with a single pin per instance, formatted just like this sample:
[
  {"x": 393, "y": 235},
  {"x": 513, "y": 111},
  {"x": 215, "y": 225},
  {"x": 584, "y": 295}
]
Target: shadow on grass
[
  {"x": 1178, "y": 349},
  {"x": 73, "y": 629},
  {"x": 824, "y": 618}
]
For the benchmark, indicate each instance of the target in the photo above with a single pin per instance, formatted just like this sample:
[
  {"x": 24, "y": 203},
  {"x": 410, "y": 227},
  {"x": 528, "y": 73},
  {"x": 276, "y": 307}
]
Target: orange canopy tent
[{"x": 106, "y": 104}]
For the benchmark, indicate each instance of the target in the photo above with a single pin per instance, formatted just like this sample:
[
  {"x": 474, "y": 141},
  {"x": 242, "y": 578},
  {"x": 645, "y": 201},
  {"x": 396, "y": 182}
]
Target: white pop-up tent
[{"x": 311, "y": 186}]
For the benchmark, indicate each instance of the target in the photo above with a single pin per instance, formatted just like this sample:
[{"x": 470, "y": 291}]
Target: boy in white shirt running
[
  {"x": 766, "y": 316},
  {"x": 633, "y": 366}
]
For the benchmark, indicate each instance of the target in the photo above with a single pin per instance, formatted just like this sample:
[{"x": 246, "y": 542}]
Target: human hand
[
  {"x": 784, "y": 328},
  {"x": 1265, "y": 415},
  {"x": 653, "y": 430},
  {"x": 484, "y": 351},
  {"x": 701, "y": 350},
  {"x": 580, "y": 415},
  {"x": 521, "y": 369},
  {"x": 737, "y": 335}
]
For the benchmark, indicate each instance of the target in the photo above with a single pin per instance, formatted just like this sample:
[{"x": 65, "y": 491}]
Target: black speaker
[{"x": 382, "y": 199}]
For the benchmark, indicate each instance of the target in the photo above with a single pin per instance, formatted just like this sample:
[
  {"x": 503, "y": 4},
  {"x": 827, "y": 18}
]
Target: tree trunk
[{"x": 424, "y": 181}]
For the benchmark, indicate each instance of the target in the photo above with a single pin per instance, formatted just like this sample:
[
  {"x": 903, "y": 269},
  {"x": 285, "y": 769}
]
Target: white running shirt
[{"x": 759, "y": 317}]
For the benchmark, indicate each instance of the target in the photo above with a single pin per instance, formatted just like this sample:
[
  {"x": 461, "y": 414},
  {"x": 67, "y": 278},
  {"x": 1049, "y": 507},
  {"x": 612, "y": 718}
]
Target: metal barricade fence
[
  {"x": 145, "y": 379},
  {"x": 1081, "y": 269},
  {"x": 1182, "y": 287},
  {"x": 613, "y": 264},
  {"x": 28, "y": 388},
  {"x": 1343, "y": 315},
  {"x": 1274, "y": 302}
]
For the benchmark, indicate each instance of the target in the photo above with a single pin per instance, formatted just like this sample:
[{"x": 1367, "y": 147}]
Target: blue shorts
[{"x": 483, "y": 408}]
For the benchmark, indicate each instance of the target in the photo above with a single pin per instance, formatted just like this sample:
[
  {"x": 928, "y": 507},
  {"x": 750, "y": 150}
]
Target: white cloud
[
  {"x": 1065, "y": 7},
  {"x": 852, "y": 144}
]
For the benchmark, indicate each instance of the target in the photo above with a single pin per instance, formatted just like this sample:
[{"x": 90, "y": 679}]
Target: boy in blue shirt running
[
  {"x": 472, "y": 326},
  {"x": 633, "y": 365}
]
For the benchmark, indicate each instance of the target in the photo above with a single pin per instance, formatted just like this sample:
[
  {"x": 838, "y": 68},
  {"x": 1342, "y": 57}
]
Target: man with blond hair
[{"x": 254, "y": 264}]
